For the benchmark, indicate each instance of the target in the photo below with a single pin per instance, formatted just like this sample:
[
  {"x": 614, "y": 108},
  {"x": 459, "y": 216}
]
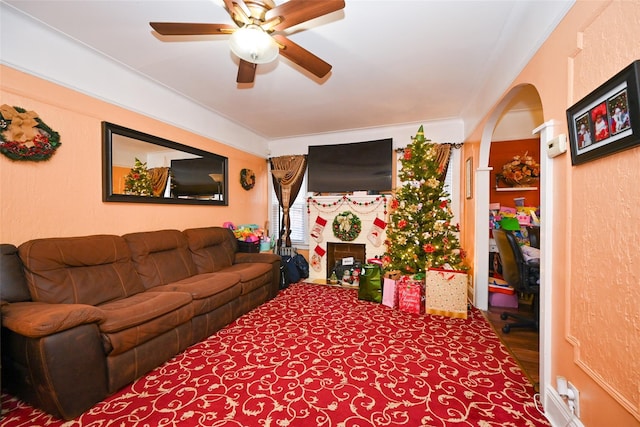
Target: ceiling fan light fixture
[{"x": 253, "y": 44}]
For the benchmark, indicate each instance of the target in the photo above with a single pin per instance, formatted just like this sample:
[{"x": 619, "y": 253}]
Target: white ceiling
[{"x": 394, "y": 62}]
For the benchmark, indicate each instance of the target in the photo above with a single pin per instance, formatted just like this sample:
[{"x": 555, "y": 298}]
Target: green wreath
[
  {"x": 347, "y": 226},
  {"x": 28, "y": 137},
  {"x": 247, "y": 179}
]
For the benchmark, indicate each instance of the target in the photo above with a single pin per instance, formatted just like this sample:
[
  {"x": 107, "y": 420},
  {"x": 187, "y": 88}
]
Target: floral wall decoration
[
  {"x": 247, "y": 179},
  {"x": 521, "y": 170},
  {"x": 24, "y": 136}
]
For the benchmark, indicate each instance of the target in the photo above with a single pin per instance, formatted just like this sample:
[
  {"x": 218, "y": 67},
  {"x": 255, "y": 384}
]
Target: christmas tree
[
  {"x": 420, "y": 234},
  {"x": 138, "y": 181}
]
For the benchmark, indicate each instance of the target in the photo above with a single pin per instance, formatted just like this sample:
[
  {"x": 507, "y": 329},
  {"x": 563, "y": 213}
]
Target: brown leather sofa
[{"x": 84, "y": 316}]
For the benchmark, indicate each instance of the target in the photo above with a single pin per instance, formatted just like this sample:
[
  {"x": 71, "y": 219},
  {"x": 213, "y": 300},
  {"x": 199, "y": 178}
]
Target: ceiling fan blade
[
  {"x": 246, "y": 72},
  {"x": 302, "y": 56},
  {"x": 295, "y": 12},
  {"x": 238, "y": 12},
  {"x": 230, "y": 5},
  {"x": 242, "y": 5},
  {"x": 191, "y": 29}
]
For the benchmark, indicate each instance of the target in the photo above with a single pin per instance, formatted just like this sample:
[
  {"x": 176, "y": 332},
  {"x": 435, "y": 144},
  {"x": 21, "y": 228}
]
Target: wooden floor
[{"x": 523, "y": 343}]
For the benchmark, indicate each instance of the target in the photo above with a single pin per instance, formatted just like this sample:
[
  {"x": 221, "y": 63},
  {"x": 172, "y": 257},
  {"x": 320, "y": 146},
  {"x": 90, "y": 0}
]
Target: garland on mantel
[{"x": 334, "y": 206}]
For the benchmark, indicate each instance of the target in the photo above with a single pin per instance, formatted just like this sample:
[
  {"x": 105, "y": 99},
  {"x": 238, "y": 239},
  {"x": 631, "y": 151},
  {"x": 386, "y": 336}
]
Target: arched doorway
[{"x": 514, "y": 102}]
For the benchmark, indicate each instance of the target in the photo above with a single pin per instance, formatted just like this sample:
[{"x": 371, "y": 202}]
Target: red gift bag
[{"x": 411, "y": 295}]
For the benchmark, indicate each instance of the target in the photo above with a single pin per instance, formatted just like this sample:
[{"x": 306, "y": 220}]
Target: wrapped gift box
[
  {"x": 499, "y": 299},
  {"x": 446, "y": 293},
  {"x": 500, "y": 286}
]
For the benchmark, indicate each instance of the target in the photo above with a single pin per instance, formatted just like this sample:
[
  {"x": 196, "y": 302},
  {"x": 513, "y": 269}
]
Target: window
[
  {"x": 451, "y": 183},
  {"x": 297, "y": 214}
]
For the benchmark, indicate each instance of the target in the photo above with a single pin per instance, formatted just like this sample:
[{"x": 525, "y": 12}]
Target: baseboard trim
[{"x": 557, "y": 412}]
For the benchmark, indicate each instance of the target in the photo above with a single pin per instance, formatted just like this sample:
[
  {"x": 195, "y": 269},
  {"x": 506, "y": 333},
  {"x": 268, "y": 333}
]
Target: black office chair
[{"x": 522, "y": 275}]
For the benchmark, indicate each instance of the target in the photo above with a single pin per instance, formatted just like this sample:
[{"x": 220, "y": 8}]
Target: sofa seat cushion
[
  {"x": 79, "y": 270},
  {"x": 160, "y": 257},
  {"x": 131, "y": 321},
  {"x": 208, "y": 291},
  {"x": 252, "y": 276}
]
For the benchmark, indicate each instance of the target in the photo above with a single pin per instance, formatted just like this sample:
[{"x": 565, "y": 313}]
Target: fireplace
[
  {"x": 325, "y": 247},
  {"x": 337, "y": 251}
]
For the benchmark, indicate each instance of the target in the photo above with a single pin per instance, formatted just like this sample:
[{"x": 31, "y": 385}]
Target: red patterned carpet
[{"x": 316, "y": 356}]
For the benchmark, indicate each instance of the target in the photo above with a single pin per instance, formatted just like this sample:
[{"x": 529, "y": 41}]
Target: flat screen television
[{"x": 358, "y": 166}]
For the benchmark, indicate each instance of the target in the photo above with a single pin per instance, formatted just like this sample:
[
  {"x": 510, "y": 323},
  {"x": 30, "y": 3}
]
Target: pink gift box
[{"x": 498, "y": 299}]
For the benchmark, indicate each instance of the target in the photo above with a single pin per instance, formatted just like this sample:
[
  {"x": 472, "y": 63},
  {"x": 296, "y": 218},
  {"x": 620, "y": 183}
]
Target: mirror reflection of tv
[
  {"x": 343, "y": 168},
  {"x": 190, "y": 177}
]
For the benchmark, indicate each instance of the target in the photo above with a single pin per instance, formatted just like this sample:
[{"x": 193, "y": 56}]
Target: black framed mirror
[{"x": 142, "y": 168}]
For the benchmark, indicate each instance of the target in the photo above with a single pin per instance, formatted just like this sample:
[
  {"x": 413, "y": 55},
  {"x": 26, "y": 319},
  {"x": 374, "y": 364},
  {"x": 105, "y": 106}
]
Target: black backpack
[{"x": 292, "y": 269}]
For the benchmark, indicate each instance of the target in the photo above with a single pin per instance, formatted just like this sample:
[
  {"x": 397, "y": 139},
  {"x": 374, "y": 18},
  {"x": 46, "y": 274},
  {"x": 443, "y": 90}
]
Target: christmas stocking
[
  {"x": 318, "y": 227},
  {"x": 316, "y": 258},
  {"x": 375, "y": 234}
]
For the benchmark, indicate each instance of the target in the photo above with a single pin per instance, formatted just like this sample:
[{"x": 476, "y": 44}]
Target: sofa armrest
[
  {"x": 38, "y": 319},
  {"x": 251, "y": 257}
]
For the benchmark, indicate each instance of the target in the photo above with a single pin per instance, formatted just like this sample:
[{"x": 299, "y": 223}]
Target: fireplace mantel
[{"x": 327, "y": 208}]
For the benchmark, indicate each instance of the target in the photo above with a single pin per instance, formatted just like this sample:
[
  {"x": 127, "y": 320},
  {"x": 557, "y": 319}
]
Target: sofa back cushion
[
  {"x": 79, "y": 270},
  {"x": 212, "y": 248},
  {"x": 13, "y": 286},
  {"x": 160, "y": 257}
]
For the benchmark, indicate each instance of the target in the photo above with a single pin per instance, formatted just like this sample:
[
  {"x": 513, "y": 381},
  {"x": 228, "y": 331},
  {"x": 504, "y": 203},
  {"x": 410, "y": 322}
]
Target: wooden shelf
[{"x": 516, "y": 188}]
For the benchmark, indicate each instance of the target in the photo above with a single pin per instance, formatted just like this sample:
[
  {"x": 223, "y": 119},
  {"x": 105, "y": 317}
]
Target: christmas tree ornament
[
  {"x": 318, "y": 228},
  {"x": 375, "y": 234},
  {"x": 333, "y": 279},
  {"x": 316, "y": 258},
  {"x": 420, "y": 135}
]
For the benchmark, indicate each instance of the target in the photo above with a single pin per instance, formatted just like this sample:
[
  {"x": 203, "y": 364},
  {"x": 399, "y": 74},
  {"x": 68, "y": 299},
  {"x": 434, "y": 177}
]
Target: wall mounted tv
[{"x": 358, "y": 166}]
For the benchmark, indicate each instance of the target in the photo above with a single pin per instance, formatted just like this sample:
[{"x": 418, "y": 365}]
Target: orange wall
[
  {"x": 595, "y": 292},
  {"x": 468, "y": 206},
  {"x": 63, "y": 196},
  {"x": 118, "y": 176},
  {"x": 503, "y": 152}
]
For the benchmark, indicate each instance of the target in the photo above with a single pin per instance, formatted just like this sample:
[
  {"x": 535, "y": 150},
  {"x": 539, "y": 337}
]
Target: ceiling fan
[{"x": 257, "y": 21}]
